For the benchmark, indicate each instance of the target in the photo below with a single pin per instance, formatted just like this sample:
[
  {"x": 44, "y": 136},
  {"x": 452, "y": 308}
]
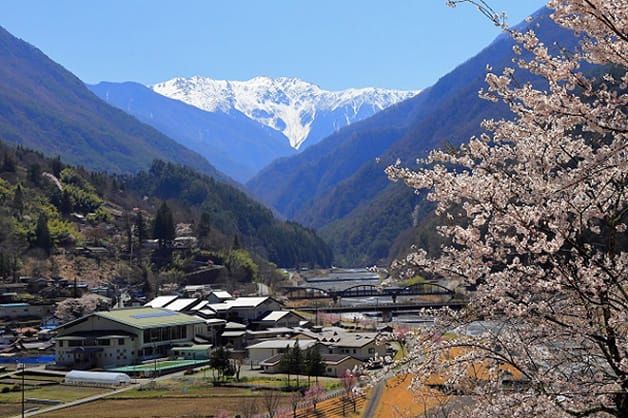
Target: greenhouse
[{"x": 78, "y": 377}]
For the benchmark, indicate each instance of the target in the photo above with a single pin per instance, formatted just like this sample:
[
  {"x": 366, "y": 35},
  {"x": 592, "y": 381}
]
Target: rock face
[{"x": 302, "y": 111}]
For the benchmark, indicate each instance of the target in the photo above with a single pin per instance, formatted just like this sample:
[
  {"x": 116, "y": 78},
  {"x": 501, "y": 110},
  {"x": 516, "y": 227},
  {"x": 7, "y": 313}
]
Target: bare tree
[
  {"x": 250, "y": 407},
  {"x": 271, "y": 400}
]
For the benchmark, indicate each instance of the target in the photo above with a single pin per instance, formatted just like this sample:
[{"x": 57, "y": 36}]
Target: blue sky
[{"x": 337, "y": 44}]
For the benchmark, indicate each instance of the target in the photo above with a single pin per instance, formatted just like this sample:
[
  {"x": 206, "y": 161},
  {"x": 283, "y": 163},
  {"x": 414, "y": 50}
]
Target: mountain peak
[{"x": 289, "y": 105}]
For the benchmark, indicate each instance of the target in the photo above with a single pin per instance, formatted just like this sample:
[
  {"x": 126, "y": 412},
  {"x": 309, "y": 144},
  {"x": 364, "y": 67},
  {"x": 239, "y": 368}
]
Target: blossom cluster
[{"x": 537, "y": 212}]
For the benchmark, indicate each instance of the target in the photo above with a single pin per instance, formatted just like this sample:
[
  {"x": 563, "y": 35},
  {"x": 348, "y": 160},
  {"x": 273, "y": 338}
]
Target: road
[{"x": 371, "y": 408}]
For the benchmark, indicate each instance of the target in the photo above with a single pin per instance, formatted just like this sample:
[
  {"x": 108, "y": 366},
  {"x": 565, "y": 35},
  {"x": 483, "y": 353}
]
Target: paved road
[{"x": 371, "y": 408}]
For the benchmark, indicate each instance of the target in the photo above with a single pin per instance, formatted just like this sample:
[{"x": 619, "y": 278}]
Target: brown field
[
  {"x": 399, "y": 401},
  {"x": 156, "y": 407}
]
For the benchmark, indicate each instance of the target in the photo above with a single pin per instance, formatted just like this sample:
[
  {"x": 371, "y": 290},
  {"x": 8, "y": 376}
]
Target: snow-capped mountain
[{"x": 302, "y": 111}]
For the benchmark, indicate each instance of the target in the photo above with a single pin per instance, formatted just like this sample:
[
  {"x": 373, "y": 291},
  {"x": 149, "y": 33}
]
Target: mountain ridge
[
  {"x": 45, "y": 107},
  {"x": 232, "y": 142},
  {"x": 302, "y": 111}
]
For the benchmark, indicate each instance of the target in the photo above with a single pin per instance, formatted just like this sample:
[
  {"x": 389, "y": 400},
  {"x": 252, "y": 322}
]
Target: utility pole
[{"x": 23, "y": 370}]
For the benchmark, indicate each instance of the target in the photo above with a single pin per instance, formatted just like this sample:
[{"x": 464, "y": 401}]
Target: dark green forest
[{"x": 48, "y": 207}]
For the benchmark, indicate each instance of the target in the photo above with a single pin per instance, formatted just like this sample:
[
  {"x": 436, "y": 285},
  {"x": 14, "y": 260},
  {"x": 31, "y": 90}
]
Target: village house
[
  {"x": 265, "y": 350},
  {"x": 12, "y": 311},
  {"x": 336, "y": 365},
  {"x": 123, "y": 337},
  {"x": 219, "y": 296},
  {"x": 249, "y": 309},
  {"x": 281, "y": 319},
  {"x": 361, "y": 345}
]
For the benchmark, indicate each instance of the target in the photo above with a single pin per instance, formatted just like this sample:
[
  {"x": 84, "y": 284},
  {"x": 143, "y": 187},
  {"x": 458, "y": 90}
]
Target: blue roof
[{"x": 14, "y": 305}]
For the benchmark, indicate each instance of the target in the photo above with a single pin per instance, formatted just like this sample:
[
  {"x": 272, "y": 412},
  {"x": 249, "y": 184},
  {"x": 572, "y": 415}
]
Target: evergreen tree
[
  {"x": 56, "y": 166},
  {"x": 42, "y": 234},
  {"x": 297, "y": 360},
  {"x": 203, "y": 228},
  {"x": 314, "y": 365},
  {"x": 285, "y": 364},
  {"x": 8, "y": 163},
  {"x": 66, "y": 205},
  {"x": 140, "y": 230},
  {"x": 5, "y": 264},
  {"x": 128, "y": 229},
  {"x": 34, "y": 173},
  {"x": 219, "y": 361},
  {"x": 18, "y": 199},
  {"x": 163, "y": 228}
]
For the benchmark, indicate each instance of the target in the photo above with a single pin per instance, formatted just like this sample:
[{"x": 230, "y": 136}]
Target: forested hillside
[
  {"x": 45, "y": 107},
  {"x": 360, "y": 213},
  {"x": 49, "y": 211}
]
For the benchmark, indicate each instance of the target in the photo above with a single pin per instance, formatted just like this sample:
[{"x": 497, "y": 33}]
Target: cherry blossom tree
[
  {"x": 536, "y": 214},
  {"x": 314, "y": 394},
  {"x": 349, "y": 381},
  {"x": 73, "y": 308}
]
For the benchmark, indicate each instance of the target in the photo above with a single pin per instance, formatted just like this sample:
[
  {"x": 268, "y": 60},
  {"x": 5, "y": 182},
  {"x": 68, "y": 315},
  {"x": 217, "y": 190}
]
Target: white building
[
  {"x": 264, "y": 350},
  {"x": 281, "y": 319},
  {"x": 123, "y": 337}
]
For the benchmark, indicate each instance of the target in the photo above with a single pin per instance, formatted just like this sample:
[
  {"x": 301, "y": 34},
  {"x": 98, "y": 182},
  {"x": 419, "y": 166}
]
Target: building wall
[
  {"x": 115, "y": 353},
  {"x": 365, "y": 352},
  {"x": 257, "y": 355},
  {"x": 340, "y": 369},
  {"x": 118, "y": 353}
]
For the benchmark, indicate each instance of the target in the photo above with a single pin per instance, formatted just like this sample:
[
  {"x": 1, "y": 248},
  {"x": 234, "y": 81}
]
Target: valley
[{"x": 277, "y": 210}]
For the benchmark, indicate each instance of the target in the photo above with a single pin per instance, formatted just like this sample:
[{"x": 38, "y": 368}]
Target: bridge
[
  {"x": 387, "y": 309},
  {"x": 366, "y": 290}
]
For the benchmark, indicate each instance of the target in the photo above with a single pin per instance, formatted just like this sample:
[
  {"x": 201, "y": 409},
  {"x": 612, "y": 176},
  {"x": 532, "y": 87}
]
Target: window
[
  {"x": 120, "y": 341},
  {"x": 371, "y": 350},
  {"x": 104, "y": 342}
]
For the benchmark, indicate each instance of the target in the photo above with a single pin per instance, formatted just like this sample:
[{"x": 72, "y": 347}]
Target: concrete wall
[{"x": 340, "y": 369}]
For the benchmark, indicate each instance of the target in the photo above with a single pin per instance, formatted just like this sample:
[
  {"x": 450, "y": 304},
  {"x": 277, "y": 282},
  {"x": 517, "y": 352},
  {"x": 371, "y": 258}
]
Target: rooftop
[
  {"x": 247, "y": 302},
  {"x": 278, "y": 344},
  {"x": 222, "y": 294},
  {"x": 199, "y": 305},
  {"x": 275, "y": 315},
  {"x": 334, "y": 358},
  {"x": 145, "y": 317},
  {"x": 181, "y": 304},
  {"x": 161, "y": 301}
]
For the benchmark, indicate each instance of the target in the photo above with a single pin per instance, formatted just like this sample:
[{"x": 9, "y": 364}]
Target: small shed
[{"x": 79, "y": 377}]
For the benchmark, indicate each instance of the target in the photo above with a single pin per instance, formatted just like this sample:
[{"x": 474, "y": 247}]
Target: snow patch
[{"x": 288, "y": 105}]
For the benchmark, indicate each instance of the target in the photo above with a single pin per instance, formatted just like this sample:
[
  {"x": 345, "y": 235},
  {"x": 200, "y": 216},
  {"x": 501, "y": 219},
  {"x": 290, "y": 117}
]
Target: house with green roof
[{"x": 124, "y": 337}]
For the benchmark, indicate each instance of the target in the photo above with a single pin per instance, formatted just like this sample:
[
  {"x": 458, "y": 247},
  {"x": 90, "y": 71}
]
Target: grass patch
[{"x": 58, "y": 392}]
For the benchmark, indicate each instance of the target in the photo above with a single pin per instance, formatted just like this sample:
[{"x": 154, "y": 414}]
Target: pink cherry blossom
[{"x": 537, "y": 213}]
